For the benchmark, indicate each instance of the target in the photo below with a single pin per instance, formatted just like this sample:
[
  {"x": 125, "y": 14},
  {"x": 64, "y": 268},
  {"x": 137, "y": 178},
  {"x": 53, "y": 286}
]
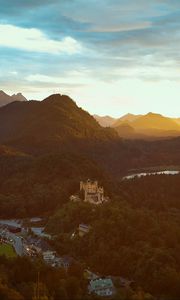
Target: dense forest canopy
[{"x": 137, "y": 233}]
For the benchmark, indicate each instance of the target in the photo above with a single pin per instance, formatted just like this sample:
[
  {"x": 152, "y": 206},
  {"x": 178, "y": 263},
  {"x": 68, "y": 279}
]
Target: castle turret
[{"x": 92, "y": 193}]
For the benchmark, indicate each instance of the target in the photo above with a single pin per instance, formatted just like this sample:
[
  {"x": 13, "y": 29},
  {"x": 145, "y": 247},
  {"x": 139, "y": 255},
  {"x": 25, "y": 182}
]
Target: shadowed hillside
[{"x": 33, "y": 125}]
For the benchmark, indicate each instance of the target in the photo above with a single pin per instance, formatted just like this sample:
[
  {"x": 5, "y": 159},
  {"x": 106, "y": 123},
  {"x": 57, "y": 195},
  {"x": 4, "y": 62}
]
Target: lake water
[{"x": 167, "y": 172}]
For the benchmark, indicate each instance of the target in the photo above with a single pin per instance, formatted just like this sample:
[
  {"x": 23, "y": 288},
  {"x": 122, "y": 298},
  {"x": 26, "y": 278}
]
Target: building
[
  {"x": 101, "y": 287},
  {"x": 83, "y": 229},
  {"x": 92, "y": 192},
  {"x": 49, "y": 256},
  {"x": 35, "y": 246}
]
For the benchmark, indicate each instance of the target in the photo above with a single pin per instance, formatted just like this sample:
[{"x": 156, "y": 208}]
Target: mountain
[
  {"x": 125, "y": 130},
  {"x": 18, "y": 97},
  {"x": 149, "y": 126},
  {"x": 156, "y": 125},
  {"x": 128, "y": 118},
  {"x": 155, "y": 121},
  {"x": 6, "y": 99},
  {"x": 57, "y": 120},
  {"x": 177, "y": 120},
  {"x": 105, "y": 121}
]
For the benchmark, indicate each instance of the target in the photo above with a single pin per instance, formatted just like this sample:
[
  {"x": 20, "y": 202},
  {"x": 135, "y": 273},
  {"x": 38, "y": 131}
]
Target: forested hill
[
  {"x": 47, "y": 147},
  {"x": 46, "y": 124}
]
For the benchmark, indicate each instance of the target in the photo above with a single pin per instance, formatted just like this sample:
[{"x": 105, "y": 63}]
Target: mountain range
[
  {"x": 129, "y": 126},
  {"x": 6, "y": 99},
  {"x": 58, "y": 125},
  {"x": 147, "y": 126}
]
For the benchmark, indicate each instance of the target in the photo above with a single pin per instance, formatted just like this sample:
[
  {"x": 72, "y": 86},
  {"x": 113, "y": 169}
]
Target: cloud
[
  {"x": 119, "y": 27},
  {"x": 114, "y": 41},
  {"x": 35, "y": 40}
]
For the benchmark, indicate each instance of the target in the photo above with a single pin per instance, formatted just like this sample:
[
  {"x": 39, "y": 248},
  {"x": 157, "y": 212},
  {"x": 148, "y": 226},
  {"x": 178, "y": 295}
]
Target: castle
[{"x": 92, "y": 192}]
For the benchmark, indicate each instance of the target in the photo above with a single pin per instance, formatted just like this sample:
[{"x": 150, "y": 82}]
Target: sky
[{"x": 111, "y": 56}]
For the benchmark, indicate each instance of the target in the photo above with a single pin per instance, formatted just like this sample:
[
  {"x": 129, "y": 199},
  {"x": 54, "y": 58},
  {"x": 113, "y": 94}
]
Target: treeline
[
  {"x": 32, "y": 186},
  {"x": 23, "y": 279},
  {"x": 136, "y": 235}
]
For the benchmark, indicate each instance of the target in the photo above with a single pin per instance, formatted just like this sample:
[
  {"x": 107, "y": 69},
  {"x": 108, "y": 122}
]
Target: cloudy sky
[{"x": 110, "y": 56}]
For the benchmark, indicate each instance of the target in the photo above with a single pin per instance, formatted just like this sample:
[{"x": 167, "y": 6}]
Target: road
[{"x": 17, "y": 243}]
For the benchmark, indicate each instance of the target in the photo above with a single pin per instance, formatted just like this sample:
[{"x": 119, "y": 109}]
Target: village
[{"x": 32, "y": 241}]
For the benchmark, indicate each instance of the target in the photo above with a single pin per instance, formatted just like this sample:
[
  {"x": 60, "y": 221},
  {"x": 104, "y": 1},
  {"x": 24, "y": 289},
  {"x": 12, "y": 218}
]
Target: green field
[{"x": 7, "y": 250}]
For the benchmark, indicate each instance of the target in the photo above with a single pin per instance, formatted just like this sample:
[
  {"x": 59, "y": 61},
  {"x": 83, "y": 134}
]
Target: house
[
  {"x": 101, "y": 287},
  {"x": 35, "y": 245},
  {"x": 93, "y": 193},
  {"x": 83, "y": 229},
  {"x": 49, "y": 256}
]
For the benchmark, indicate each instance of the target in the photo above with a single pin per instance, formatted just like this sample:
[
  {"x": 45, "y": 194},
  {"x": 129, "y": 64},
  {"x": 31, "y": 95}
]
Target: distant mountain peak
[
  {"x": 18, "y": 97},
  {"x": 151, "y": 114},
  {"x": 59, "y": 99},
  {"x": 3, "y": 93},
  {"x": 6, "y": 99},
  {"x": 105, "y": 121}
]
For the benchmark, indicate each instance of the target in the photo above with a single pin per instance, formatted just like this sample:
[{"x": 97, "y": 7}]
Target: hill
[
  {"x": 128, "y": 118},
  {"x": 40, "y": 124},
  {"x": 177, "y": 120},
  {"x": 155, "y": 121},
  {"x": 6, "y": 99},
  {"x": 125, "y": 130},
  {"x": 105, "y": 121},
  {"x": 149, "y": 126}
]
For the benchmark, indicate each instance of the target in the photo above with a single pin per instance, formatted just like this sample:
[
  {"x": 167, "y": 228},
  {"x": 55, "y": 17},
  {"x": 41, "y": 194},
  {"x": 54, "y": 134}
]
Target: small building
[
  {"x": 101, "y": 287},
  {"x": 49, "y": 256},
  {"x": 36, "y": 245},
  {"x": 83, "y": 229}
]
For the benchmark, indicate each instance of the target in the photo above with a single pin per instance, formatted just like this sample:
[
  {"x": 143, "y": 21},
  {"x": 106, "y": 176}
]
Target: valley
[{"x": 47, "y": 149}]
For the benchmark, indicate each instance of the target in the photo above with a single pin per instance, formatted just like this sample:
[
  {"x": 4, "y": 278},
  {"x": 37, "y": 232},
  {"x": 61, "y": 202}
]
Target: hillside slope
[{"x": 48, "y": 122}]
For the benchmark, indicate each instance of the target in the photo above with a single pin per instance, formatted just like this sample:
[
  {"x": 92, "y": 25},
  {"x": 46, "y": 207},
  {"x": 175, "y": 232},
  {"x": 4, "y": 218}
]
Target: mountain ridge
[
  {"x": 150, "y": 125},
  {"x": 51, "y": 121},
  {"x": 6, "y": 99}
]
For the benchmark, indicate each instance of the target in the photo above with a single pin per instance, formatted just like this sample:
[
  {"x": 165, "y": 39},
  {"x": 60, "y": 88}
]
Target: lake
[{"x": 167, "y": 172}]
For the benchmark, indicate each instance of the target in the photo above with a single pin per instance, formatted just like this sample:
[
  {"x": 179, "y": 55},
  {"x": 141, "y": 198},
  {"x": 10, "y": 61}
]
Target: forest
[{"x": 136, "y": 235}]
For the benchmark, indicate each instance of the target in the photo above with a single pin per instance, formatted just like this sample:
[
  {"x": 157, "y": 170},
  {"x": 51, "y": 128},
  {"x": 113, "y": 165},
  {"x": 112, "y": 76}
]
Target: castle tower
[{"x": 92, "y": 193}]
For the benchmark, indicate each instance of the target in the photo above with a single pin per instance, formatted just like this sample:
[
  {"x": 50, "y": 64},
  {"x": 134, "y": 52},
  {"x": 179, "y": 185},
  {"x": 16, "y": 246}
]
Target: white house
[{"x": 102, "y": 287}]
